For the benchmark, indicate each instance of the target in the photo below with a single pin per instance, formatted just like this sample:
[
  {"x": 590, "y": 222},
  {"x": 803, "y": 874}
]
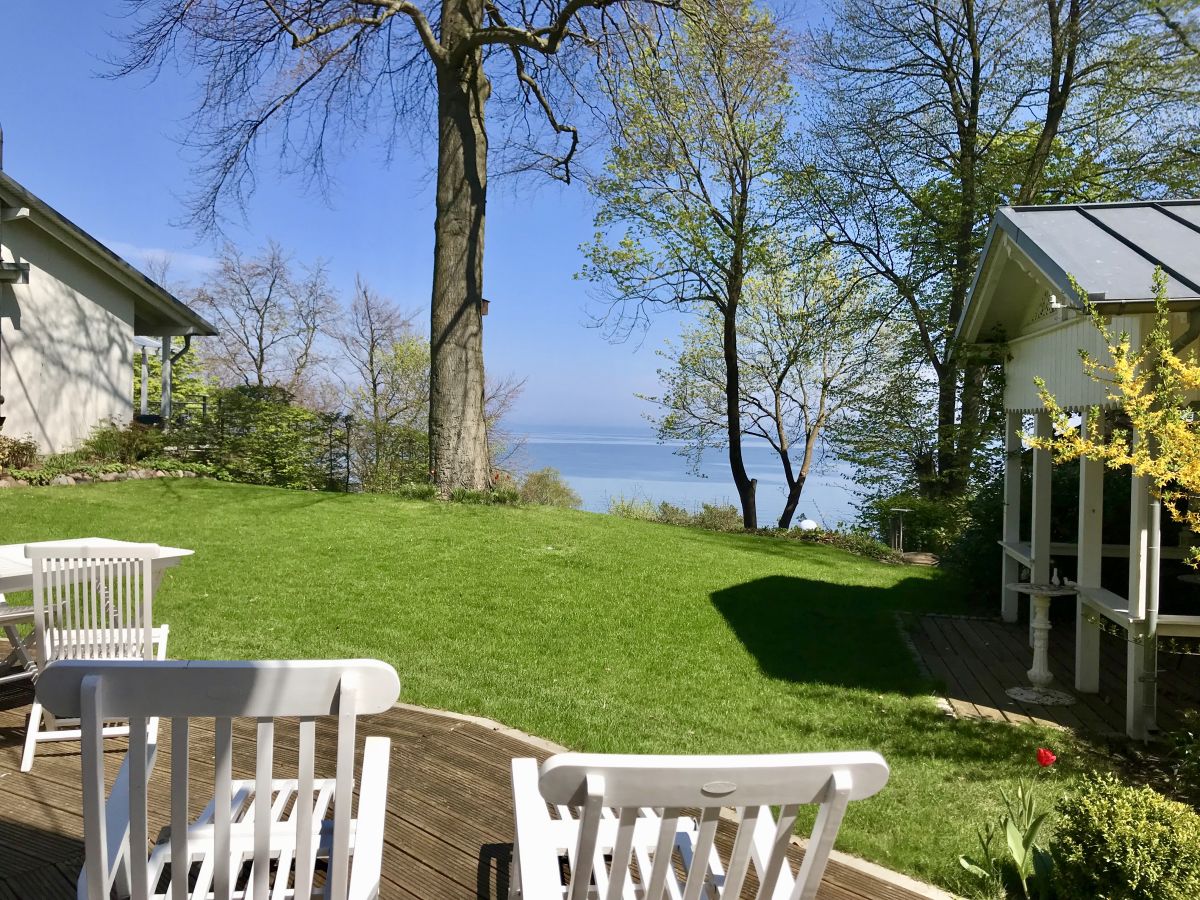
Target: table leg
[{"x": 1039, "y": 675}]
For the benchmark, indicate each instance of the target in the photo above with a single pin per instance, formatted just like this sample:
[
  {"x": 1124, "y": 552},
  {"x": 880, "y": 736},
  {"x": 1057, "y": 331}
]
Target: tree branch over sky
[{"x": 304, "y": 78}]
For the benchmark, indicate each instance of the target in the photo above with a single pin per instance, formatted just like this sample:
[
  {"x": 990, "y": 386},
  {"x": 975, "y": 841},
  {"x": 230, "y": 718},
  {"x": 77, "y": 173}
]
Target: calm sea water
[{"x": 602, "y": 463}]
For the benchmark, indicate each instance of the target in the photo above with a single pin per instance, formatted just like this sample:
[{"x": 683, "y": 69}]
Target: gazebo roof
[{"x": 1110, "y": 249}]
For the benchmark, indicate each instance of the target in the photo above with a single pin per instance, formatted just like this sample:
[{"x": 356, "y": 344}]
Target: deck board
[
  {"x": 449, "y": 817},
  {"x": 977, "y": 659}
]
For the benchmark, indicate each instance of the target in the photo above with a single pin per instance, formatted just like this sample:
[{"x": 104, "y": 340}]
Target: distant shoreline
[{"x": 603, "y": 462}]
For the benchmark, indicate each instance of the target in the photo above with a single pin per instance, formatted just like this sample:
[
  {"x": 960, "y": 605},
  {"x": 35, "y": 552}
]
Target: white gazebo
[{"x": 1023, "y": 299}]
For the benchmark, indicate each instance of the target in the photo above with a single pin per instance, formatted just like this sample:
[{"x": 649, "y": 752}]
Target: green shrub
[
  {"x": 255, "y": 435},
  {"x": 1116, "y": 842},
  {"x": 671, "y": 514},
  {"x": 718, "y": 517},
  {"x": 632, "y": 508},
  {"x": 17, "y": 453},
  {"x": 1185, "y": 756},
  {"x": 856, "y": 541},
  {"x": 546, "y": 487},
  {"x": 932, "y": 525},
  {"x": 121, "y": 443}
]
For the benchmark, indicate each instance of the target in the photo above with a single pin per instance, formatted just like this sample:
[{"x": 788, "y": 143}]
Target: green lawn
[{"x": 600, "y": 633}]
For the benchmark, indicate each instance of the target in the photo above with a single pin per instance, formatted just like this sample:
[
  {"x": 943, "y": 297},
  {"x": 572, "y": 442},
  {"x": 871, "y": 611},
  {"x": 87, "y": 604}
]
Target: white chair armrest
[
  {"x": 534, "y": 843},
  {"x": 372, "y": 807}
]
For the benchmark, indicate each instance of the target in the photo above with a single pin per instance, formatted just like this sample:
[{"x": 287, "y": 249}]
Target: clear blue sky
[{"x": 105, "y": 153}]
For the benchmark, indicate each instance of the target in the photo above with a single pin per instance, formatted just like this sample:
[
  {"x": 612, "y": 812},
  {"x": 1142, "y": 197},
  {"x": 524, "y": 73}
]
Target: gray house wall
[{"x": 66, "y": 342}]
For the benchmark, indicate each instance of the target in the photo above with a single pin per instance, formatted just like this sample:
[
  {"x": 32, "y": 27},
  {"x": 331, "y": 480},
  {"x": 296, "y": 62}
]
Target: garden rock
[{"x": 62, "y": 480}]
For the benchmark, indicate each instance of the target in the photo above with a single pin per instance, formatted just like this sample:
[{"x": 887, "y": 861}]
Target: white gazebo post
[
  {"x": 1090, "y": 550},
  {"x": 1139, "y": 535},
  {"x": 164, "y": 410},
  {"x": 1039, "y": 534},
  {"x": 145, "y": 401},
  {"x": 1012, "y": 514}
]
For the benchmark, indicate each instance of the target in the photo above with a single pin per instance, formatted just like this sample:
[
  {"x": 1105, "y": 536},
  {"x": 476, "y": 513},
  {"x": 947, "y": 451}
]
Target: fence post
[{"x": 348, "y": 453}]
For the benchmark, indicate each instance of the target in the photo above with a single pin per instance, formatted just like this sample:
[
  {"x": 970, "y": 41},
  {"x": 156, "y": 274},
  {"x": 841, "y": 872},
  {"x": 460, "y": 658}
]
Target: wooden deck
[
  {"x": 978, "y": 659},
  {"x": 449, "y": 829}
]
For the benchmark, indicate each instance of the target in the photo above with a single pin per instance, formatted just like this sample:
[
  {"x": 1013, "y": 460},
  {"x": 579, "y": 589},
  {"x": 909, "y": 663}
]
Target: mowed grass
[{"x": 600, "y": 633}]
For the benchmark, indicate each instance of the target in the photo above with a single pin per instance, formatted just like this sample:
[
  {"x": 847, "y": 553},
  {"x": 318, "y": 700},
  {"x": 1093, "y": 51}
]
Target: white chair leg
[
  {"x": 31, "y": 735},
  {"x": 514, "y": 875}
]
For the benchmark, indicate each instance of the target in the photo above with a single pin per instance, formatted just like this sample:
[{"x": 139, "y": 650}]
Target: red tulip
[{"x": 1046, "y": 757}]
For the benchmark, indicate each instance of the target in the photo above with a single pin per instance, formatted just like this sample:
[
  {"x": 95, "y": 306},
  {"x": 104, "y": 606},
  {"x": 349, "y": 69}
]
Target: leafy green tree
[
  {"x": 388, "y": 392},
  {"x": 930, "y": 114},
  {"x": 688, "y": 201},
  {"x": 810, "y": 339}
]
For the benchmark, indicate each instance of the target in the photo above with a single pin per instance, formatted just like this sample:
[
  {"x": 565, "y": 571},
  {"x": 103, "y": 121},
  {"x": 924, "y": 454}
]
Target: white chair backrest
[
  {"x": 92, "y": 602},
  {"x": 182, "y": 690},
  {"x": 597, "y": 783}
]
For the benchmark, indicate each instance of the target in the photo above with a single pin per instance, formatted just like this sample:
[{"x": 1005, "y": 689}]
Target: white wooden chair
[
  {"x": 611, "y": 811},
  {"x": 89, "y": 602},
  {"x": 260, "y": 838}
]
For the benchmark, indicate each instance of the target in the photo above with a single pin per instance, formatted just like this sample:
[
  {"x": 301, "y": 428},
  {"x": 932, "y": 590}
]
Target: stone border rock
[{"x": 72, "y": 478}]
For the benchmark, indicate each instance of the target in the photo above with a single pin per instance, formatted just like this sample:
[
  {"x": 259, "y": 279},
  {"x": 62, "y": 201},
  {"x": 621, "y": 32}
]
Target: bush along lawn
[{"x": 598, "y": 632}]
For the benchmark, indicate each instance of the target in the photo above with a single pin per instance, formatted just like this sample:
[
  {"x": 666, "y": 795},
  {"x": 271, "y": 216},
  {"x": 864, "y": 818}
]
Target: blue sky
[{"x": 106, "y": 154}]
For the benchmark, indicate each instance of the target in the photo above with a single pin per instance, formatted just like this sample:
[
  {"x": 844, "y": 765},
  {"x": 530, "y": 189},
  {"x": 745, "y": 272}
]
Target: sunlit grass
[{"x": 596, "y": 632}]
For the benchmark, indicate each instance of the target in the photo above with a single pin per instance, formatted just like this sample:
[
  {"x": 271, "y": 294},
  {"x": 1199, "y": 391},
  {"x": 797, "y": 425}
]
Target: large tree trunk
[{"x": 458, "y": 453}]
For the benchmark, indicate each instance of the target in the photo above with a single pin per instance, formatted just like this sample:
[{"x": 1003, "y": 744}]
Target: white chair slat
[
  {"x": 739, "y": 857},
  {"x": 180, "y": 853},
  {"x": 339, "y": 862},
  {"x": 95, "y": 841},
  {"x": 584, "y": 853},
  {"x": 620, "y": 882},
  {"x": 771, "y": 841},
  {"x": 661, "y": 870},
  {"x": 305, "y": 851},
  {"x": 700, "y": 861},
  {"x": 260, "y": 872},
  {"x": 222, "y": 799},
  {"x": 825, "y": 829},
  {"x": 138, "y": 759}
]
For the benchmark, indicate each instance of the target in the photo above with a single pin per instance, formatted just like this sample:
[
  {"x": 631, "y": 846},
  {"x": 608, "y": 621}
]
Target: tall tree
[
  {"x": 808, "y": 344},
  {"x": 388, "y": 392},
  {"x": 929, "y": 114},
  {"x": 688, "y": 202},
  {"x": 321, "y": 70},
  {"x": 270, "y": 315}
]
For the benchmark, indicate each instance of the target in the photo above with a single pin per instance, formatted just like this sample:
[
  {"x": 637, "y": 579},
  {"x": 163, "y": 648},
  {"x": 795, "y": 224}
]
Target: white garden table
[
  {"x": 1039, "y": 675},
  {"x": 16, "y": 575}
]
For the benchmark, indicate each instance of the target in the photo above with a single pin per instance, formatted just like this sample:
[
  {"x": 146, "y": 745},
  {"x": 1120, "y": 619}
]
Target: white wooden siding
[{"x": 1053, "y": 354}]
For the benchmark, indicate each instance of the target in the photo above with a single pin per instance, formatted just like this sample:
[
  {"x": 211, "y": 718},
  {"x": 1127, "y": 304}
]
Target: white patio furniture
[
  {"x": 611, "y": 810},
  {"x": 19, "y": 663},
  {"x": 90, "y": 601},
  {"x": 264, "y": 837}
]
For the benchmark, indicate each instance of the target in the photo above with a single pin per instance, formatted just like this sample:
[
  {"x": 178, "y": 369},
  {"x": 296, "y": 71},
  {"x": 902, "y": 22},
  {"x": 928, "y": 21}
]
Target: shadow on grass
[{"x": 806, "y": 631}]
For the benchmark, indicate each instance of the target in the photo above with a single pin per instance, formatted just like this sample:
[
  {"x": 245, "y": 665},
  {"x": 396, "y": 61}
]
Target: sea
[{"x": 602, "y": 463}]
